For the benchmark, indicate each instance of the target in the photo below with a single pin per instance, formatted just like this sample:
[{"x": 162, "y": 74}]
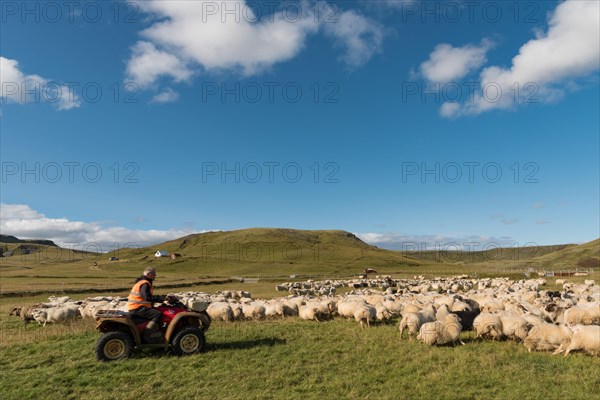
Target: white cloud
[
  {"x": 15, "y": 85},
  {"x": 166, "y": 96},
  {"x": 26, "y": 223},
  {"x": 447, "y": 63},
  {"x": 398, "y": 241},
  {"x": 147, "y": 64},
  {"x": 546, "y": 65},
  {"x": 361, "y": 37},
  {"x": 194, "y": 36},
  {"x": 187, "y": 35},
  {"x": 449, "y": 109}
]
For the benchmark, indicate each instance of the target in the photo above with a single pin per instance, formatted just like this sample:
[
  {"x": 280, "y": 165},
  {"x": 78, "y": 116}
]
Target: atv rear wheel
[
  {"x": 189, "y": 340},
  {"x": 114, "y": 346}
]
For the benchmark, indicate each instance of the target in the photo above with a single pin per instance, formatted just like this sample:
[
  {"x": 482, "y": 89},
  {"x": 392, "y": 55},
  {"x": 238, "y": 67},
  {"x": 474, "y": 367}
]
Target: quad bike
[{"x": 182, "y": 331}]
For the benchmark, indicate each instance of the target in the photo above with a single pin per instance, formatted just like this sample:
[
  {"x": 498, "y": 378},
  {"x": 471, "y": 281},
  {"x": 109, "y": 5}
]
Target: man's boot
[{"x": 152, "y": 333}]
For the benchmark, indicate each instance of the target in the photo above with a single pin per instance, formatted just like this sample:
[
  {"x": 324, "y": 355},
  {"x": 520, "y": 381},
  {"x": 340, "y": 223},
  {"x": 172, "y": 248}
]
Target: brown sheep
[{"x": 25, "y": 313}]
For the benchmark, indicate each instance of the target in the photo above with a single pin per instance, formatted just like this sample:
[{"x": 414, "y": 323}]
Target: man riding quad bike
[{"x": 176, "y": 327}]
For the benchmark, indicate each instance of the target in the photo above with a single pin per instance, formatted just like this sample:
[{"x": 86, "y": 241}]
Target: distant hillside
[
  {"x": 585, "y": 255},
  {"x": 39, "y": 250},
  {"x": 497, "y": 254},
  {"x": 570, "y": 256},
  {"x": 270, "y": 250},
  {"x": 283, "y": 252},
  {"x": 13, "y": 239}
]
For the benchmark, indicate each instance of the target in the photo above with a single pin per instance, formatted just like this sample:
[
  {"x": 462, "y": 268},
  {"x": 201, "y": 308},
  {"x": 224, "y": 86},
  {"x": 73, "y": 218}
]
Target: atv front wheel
[
  {"x": 189, "y": 340},
  {"x": 113, "y": 346}
]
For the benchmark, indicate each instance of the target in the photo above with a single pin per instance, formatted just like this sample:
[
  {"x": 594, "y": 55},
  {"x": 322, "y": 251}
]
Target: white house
[{"x": 161, "y": 253}]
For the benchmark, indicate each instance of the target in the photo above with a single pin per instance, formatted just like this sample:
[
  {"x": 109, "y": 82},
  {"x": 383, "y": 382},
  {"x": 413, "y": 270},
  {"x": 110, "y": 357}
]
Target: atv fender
[
  {"x": 112, "y": 324},
  {"x": 192, "y": 315}
]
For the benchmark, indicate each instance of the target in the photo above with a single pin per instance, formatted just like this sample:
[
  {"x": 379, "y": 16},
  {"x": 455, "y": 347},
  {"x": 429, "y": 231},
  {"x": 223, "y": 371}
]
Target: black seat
[{"x": 137, "y": 319}]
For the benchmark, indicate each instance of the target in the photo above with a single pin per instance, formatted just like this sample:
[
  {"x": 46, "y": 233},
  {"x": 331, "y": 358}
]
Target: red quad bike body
[
  {"x": 168, "y": 313},
  {"x": 181, "y": 332}
]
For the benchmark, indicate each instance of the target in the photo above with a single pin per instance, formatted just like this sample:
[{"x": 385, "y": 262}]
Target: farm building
[{"x": 161, "y": 253}]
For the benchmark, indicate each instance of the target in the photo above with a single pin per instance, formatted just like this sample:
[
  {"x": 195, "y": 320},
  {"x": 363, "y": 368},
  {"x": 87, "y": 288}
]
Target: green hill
[
  {"x": 265, "y": 253},
  {"x": 563, "y": 256},
  {"x": 13, "y": 239},
  {"x": 585, "y": 255},
  {"x": 261, "y": 252},
  {"x": 516, "y": 254},
  {"x": 269, "y": 251}
]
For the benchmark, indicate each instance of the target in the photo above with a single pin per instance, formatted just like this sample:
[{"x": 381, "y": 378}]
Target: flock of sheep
[{"x": 434, "y": 311}]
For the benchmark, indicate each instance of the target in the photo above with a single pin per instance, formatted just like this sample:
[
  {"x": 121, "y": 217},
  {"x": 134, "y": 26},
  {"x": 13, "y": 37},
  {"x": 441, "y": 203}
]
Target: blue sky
[{"x": 401, "y": 121}]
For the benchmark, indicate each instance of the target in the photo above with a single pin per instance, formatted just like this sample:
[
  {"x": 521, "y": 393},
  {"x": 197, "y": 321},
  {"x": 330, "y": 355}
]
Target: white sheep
[
  {"x": 582, "y": 315},
  {"x": 548, "y": 337},
  {"x": 459, "y": 306},
  {"x": 394, "y": 307},
  {"x": 446, "y": 330},
  {"x": 492, "y": 306},
  {"x": 374, "y": 299},
  {"x": 314, "y": 311},
  {"x": 274, "y": 309},
  {"x": 413, "y": 321},
  {"x": 586, "y": 338},
  {"x": 220, "y": 311},
  {"x": 383, "y": 314},
  {"x": 442, "y": 312},
  {"x": 290, "y": 308},
  {"x": 514, "y": 327},
  {"x": 532, "y": 319},
  {"x": 236, "y": 308},
  {"x": 365, "y": 313},
  {"x": 347, "y": 307},
  {"x": 55, "y": 314},
  {"x": 59, "y": 300},
  {"x": 488, "y": 325},
  {"x": 253, "y": 311},
  {"x": 88, "y": 309},
  {"x": 410, "y": 308},
  {"x": 308, "y": 313},
  {"x": 331, "y": 305}
]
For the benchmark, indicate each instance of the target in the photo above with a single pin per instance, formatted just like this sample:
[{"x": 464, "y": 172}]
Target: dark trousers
[{"x": 148, "y": 313}]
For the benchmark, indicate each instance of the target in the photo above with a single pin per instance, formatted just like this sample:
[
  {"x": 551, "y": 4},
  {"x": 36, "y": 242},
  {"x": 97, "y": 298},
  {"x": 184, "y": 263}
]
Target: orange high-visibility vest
[{"x": 135, "y": 299}]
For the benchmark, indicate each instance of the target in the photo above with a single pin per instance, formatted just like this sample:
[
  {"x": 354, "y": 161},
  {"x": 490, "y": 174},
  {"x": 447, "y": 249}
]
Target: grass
[
  {"x": 288, "y": 359},
  {"x": 295, "y": 359}
]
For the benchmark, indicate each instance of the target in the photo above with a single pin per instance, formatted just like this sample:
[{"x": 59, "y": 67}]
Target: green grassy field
[
  {"x": 283, "y": 359},
  {"x": 292, "y": 359}
]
